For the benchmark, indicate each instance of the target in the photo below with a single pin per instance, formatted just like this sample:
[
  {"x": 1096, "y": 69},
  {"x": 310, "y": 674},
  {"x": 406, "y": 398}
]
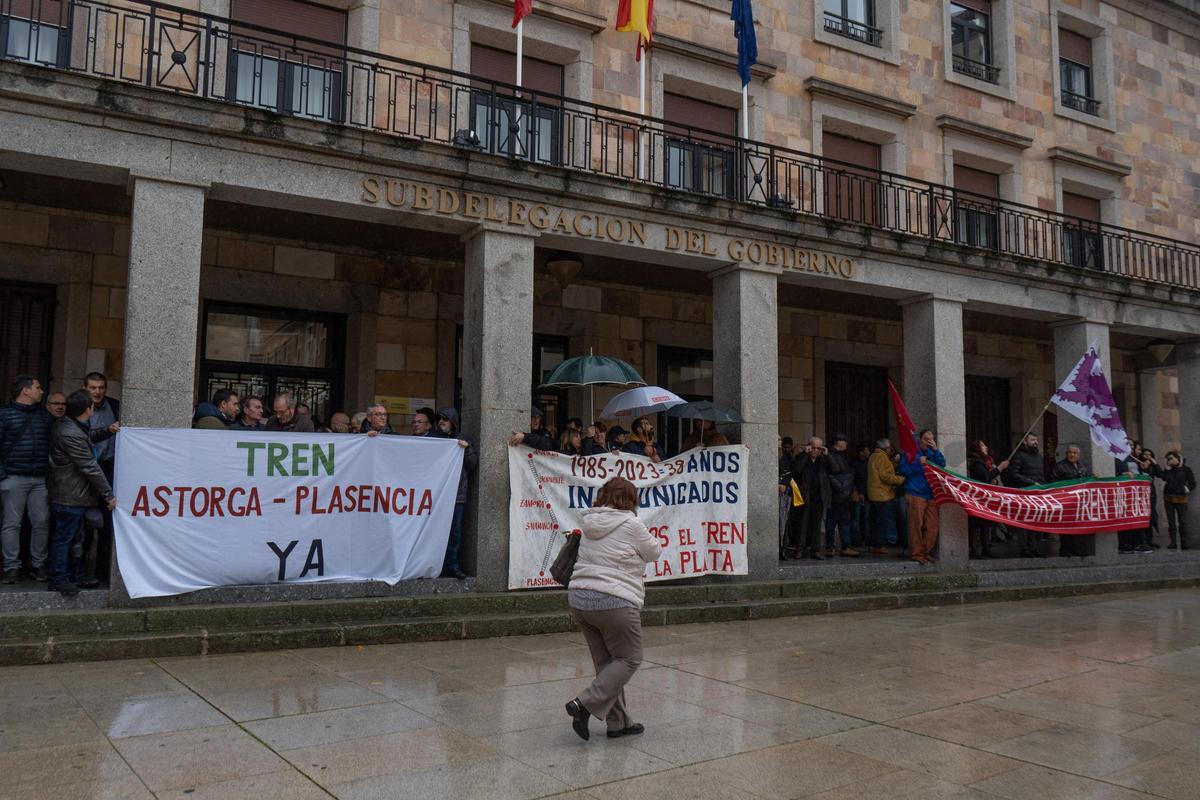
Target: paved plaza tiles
[{"x": 1089, "y": 698}]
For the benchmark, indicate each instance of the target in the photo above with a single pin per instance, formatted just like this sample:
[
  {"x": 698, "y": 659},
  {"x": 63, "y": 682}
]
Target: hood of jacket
[
  {"x": 207, "y": 410},
  {"x": 602, "y": 521},
  {"x": 450, "y": 414}
]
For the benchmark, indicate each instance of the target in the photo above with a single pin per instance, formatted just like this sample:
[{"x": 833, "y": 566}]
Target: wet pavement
[{"x": 1070, "y": 699}]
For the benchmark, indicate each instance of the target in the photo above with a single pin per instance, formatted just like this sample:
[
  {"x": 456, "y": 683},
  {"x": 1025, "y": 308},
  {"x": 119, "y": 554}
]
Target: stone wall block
[
  {"x": 305, "y": 262},
  {"x": 582, "y": 298},
  {"x": 24, "y": 227},
  {"x": 389, "y": 356},
  {"x": 245, "y": 254},
  {"x": 75, "y": 233},
  {"x": 659, "y": 306}
]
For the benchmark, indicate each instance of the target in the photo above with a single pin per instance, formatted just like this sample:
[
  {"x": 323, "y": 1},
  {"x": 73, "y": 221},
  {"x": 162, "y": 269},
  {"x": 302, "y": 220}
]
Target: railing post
[{"x": 151, "y": 51}]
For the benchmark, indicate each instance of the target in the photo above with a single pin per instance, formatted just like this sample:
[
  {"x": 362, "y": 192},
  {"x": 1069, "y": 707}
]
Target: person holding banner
[
  {"x": 75, "y": 484},
  {"x": 922, "y": 513},
  {"x": 1072, "y": 469},
  {"x": 606, "y": 594},
  {"x": 1026, "y": 470},
  {"x": 981, "y": 467},
  {"x": 448, "y": 426}
]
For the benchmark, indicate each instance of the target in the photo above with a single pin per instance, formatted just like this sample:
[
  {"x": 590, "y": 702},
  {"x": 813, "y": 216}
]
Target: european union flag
[{"x": 743, "y": 29}]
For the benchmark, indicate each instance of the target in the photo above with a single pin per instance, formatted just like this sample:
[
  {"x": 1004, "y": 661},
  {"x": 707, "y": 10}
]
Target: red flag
[
  {"x": 906, "y": 432},
  {"x": 521, "y": 10}
]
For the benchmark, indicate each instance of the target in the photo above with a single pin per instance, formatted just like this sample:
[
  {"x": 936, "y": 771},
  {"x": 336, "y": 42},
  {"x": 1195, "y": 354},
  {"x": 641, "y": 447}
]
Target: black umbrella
[{"x": 703, "y": 409}]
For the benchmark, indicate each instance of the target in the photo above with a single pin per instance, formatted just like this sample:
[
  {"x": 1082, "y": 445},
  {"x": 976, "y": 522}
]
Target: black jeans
[
  {"x": 1177, "y": 522},
  {"x": 804, "y": 527},
  {"x": 67, "y": 520}
]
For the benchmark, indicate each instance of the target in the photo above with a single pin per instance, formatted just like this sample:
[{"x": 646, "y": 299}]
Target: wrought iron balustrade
[
  {"x": 853, "y": 29},
  {"x": 203, "y": 56},
  {"x": 976, "y": 69},
  {"x": 1081, "y": 102}
]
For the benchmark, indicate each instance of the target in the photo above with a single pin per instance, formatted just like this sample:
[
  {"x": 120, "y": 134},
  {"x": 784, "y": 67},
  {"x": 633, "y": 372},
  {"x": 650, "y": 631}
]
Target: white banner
[
  {"x": 694, "y": 504},
  {"x": 198, "y": 508}
]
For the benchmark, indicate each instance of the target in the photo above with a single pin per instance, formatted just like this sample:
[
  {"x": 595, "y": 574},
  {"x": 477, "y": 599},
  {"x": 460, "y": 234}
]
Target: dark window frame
[
  {"x": 860, "y": 30},
  {"x": 273, "y": 374},
  {"x": 964, "y": 64},
  {"x": 1085, "y": 101},
  {"x": 11, "y": 293},
  {"x": 673, "y": 430},
  {"x": 62, "y": 36}
]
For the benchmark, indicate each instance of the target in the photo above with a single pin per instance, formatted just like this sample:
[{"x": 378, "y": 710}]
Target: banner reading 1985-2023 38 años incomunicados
[
  {"x": 694, "y": 504},
  {"x": 199, "y": 509}
]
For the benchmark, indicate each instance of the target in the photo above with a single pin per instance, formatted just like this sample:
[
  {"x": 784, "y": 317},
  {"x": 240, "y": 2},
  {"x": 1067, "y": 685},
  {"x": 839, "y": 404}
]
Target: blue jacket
[
  {"x": 914, "y": 473},
  {"x": 24, "y": 440}
]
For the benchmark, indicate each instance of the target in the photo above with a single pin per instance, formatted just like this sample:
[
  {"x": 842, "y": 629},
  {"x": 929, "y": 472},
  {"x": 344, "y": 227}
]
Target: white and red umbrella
[{"x": 640, "y": 402}]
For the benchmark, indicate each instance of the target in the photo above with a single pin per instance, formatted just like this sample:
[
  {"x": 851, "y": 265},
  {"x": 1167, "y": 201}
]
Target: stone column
[
  {"x": 1071, "y": 340},
  {"x": 935, "y": 393},
  {"x": 1187, "y": 359},
  {"x": 1150, "y": 410},
  {"x": 163, "y": 302},
  {"x": 497, "y": 365},
  {"x": 746, "y": 370}
]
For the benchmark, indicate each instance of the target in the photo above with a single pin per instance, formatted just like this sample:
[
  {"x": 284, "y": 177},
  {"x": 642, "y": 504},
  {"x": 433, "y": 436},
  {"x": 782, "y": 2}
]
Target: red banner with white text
[{"x": 1092, "y": 505}]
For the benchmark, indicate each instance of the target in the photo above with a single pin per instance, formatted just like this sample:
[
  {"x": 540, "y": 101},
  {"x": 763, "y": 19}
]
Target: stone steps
[{"x": 60, "y": 636}]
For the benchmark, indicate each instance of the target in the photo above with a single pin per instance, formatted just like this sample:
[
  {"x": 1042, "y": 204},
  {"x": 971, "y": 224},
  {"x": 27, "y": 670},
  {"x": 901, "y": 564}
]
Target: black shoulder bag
[{"x": 564, "y": 562}]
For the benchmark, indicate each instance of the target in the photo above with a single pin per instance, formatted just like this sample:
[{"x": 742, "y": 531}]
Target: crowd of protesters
[
  {"x": 56, "y": 478},
  {"x": 877, "y": 501}
]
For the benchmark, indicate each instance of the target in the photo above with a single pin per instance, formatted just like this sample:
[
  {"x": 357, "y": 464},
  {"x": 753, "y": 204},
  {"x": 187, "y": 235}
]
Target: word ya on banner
[
  {"x": 694, "y": 504},
  {"x": 199, "y": 509}
]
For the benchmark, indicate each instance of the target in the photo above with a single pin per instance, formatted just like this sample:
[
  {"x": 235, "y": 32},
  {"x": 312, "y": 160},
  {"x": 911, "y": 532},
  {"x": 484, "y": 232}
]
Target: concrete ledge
[{"x": 390, "y": 620}]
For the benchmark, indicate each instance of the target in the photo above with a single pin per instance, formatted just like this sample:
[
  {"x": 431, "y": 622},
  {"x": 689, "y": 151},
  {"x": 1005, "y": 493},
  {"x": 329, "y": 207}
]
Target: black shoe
[
  {"x": 67, "y": 589},
  {"x": 632, "y": 730},
  {"x": 816, "y": 556},
  {"x": 10, "y": 576},
  {"x": 41, "y": 574},
  {"x": 88, "y": 582},
  {"x": 1125, "y": 551},
  {"x": 1155, "y": 546},
  {"x": 1026, "y": 554},
  {"x": 579, "y": 718},
  {"x": 1172, "y": 546},
  {"x": 1143, "y": 549},
  {"x": 1038, "y": 554}
]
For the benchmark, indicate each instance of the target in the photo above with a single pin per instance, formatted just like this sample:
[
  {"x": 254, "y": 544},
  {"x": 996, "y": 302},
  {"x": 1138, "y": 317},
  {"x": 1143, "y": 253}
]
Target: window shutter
[
  {"x": 976, "y": 181},
  {"x": 1077, "y": 205},
  {"x": 498, "y": 65},
  {"x": 1074, "y": 47},
  {"x": 851, "y": 151},
  {"x": 979, "y": 5},
  {"x": 689, "y": 112},
  {"x": 50, "y": 12},
  {"x": 289, "y": 17}
]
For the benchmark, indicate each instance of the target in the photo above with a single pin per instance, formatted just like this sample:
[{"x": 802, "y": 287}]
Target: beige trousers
[{"x": 614, "y": 638}]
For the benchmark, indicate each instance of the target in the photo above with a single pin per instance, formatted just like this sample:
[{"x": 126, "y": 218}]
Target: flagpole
[
  {"x": 1021, "y": 441},
  {"x": 520, "y": 50},
  {"x": 642, "y": 107},
  {"x": 745, "y": 113}
]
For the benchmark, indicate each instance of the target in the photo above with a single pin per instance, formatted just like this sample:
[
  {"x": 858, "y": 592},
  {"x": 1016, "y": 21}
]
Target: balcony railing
[
  {"x": 853, "y": 29},
  {"x": 1081, "y": 102},
  {"x": 976, "y": 69},
  {"x": 197, "y": 55}
]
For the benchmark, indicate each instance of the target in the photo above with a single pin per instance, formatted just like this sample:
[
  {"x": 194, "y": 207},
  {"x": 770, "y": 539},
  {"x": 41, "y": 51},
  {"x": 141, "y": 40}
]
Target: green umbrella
[{"x": 591, "y": 371}]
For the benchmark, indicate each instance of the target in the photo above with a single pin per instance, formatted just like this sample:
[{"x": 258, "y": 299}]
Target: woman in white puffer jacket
[{"x": 606, "y": 594}]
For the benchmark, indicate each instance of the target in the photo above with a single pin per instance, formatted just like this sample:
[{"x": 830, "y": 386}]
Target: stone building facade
[{"x": 387, "y": 196}]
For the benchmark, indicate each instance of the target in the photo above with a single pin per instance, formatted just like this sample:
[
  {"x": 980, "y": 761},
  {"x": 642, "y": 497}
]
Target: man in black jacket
[
  {"x": 1026, "y": 470},
  {"x": 537, "y": 438},
  {"x": 76, "y": 483},
  {"x": 810, "y": 470},
  {"x": 841, "y": 482},
  {"x": 1072, "y": 469},
  {"x": 1178, "y": 483},
  {"x": 24, "y": 437}
]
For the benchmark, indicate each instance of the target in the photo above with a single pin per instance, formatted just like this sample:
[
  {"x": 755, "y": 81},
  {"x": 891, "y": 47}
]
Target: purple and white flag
[{"x": 1085, "y": 394}]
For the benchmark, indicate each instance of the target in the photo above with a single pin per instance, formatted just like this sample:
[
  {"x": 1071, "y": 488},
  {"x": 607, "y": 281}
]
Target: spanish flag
[{"x": 637, "y": 15}]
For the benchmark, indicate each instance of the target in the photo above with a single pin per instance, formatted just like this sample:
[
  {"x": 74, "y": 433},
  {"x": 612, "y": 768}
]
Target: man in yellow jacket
[{"x": 882, "y": 482}]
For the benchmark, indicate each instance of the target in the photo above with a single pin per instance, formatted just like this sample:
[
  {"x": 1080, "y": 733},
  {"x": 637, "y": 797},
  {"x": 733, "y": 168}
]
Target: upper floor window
[
  {"x": 282, "y": 74},
  {"x": 34, "y": 31},
  {"x": 971, "y": 39},
  {"x": 1081, "y": 240},
  {"x": 853, "y": 191},
  {"x": 1075, "y": 72},
  {"x": 528, "y": 126},
  {"x": 854, "y": 19},
  {"x": 698, "y": 145},
  {"x": 977, "y": 220}
]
